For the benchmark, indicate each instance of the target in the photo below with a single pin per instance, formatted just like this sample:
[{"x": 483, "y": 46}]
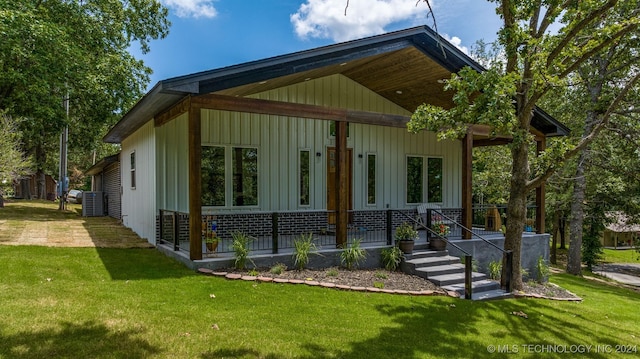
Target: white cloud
[
  {"x": 326, "y": 18},
  {"x": 192, "y": 8},
  {"x": 456, "y": 41}
]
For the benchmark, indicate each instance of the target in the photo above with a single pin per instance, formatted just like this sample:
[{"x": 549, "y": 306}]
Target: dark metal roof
[
  {"x": 405, "y": 66},
  {"x": 102, "y": 164}
]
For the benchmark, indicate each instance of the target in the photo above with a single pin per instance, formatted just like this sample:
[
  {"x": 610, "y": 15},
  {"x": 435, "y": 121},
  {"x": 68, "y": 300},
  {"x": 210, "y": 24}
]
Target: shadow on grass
[
  {"x": 132, "y": 264},
  {"x": 86, "y": 340},
  {"x": 446, "y": 328}
]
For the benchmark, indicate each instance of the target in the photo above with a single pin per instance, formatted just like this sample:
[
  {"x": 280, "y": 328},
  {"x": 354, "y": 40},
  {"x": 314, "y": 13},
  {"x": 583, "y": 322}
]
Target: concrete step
[
  {"x": 490, "y": 295},
  {"x": 433, "y": 261},
  {"x": 441, "y": 270},
  {"x": 425, "y": 254},
  {"x": 479, "y": 286},
  {"x": 456, "y": 278}
]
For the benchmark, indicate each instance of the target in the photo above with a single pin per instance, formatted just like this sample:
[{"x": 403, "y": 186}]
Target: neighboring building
[
  {"x": 620, "y": 233},
  {"x": 107, "y": 179},
  {"x": 319, "y": 133},
  {"x": 27, "y": 187}
]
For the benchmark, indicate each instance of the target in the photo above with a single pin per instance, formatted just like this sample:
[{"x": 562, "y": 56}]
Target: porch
[{"x": 275, "y": 232}]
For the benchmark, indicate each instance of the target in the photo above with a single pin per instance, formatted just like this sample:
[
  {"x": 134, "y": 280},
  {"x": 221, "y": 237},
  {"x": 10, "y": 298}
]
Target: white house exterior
[{"x": 267, "y": 136}]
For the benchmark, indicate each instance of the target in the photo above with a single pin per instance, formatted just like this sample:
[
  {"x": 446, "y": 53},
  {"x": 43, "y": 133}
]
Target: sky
[{"x": 210, "y": 34}]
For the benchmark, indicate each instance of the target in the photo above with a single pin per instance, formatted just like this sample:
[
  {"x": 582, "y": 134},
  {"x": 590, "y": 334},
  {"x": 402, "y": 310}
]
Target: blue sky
[{"x": 209, "y": 34}]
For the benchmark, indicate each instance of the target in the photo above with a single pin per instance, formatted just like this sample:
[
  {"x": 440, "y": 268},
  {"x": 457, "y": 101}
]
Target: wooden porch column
[
  {"x": 467, "y": 182},
  {"x": 195, "y": 184},
  {"x": 540, "y": 193},
  {"x": 342, "y": 182}
]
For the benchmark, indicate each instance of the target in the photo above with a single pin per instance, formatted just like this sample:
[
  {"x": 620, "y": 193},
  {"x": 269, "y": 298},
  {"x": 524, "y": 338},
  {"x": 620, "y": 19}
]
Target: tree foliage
[
  {"x": 536, "y": 60},
  {"x": 52, "y": 49},
  {"x": 13, "y": 163}
]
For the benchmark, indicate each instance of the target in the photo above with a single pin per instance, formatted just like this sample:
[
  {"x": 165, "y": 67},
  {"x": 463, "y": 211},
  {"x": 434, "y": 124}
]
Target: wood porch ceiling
[{"x": 406, "y": 77}]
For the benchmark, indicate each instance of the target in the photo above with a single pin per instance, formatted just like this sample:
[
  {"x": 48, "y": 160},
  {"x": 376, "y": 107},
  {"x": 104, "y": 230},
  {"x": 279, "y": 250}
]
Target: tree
[
  {"x": 13, "y": 163},
  {"x": 536, "y": 61},
  {"x": 76, "y": 48}
]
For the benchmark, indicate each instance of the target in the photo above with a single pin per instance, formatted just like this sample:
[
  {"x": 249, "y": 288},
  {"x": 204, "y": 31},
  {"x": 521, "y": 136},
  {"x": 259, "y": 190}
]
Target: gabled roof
[{"x": 406, "y": 67}]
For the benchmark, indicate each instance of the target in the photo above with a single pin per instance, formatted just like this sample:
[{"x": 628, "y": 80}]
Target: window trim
[
  {"x": 425, "y": 179},
  {"x": 300, "y": 204},
  {"x": 375, "y": 179},
  {"x": 132, "y": 170}
]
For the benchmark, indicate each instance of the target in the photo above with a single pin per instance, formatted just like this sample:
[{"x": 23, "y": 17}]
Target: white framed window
[
  {"x": 132, "y": 158},
  {"x": 229, "y": 176},
  {"x": 304, "y": 179},
  {"x": 371, "y": 179},
  {"x": 424, "y": 173}
]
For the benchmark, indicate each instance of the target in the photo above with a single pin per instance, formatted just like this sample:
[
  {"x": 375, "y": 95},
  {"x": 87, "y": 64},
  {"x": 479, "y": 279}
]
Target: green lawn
[
  {"x": 621, "y": 256},
  {"x": 137, "y": 303}
]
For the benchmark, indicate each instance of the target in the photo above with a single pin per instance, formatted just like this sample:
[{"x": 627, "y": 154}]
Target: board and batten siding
[
  {"x": 279, "y": 140},
  {"x": 112, "y": 187},
  {"x": 172, "y": 160},
  {"x": 139, "y": 203}
]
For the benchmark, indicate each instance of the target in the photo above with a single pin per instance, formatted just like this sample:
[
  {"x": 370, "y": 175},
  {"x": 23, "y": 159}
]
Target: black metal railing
[
  {"x": 173, "y": 229},
  {"x": 468, "y": 260},
  {"x": 507, "y": 255}
]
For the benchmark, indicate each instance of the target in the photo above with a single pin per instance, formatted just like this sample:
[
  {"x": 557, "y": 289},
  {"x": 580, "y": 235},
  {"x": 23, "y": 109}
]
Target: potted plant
[
  {"x": 211, "y": 241},
  {"x": 405, "y": 237},
  {"x": 439, "y": 242}
]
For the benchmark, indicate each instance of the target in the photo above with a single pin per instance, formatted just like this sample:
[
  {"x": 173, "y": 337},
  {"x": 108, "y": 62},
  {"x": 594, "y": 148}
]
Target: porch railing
[{"x": 491, "y": 218}]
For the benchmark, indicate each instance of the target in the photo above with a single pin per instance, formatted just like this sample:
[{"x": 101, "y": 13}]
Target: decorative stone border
[{"x": 313, "y": 283}]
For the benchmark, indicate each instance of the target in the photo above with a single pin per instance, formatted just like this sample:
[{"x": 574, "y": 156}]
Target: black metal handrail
[
  {"x": 507, "y": 255},
  {"x": 468, "y": 262}
]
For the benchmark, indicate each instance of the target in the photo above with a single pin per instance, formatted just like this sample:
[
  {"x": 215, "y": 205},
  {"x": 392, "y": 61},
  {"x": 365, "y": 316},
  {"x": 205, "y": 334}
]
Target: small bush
[
  {"x": 353, "y": 255},
  {"x": 240, "y": 247},
  {"x": 254, "y": 272},
  {"x": 378, "y": 285},
  {"x": 332, "y": 272},
  {"x": 495, "y": 270},
  {"x": 542, "y": 270},
  {"x": 278, "y": 268},
  {"x": 303, "y": 247},
  {"x": 381, "y": 275},
  {"x": 391, "y": 258}
]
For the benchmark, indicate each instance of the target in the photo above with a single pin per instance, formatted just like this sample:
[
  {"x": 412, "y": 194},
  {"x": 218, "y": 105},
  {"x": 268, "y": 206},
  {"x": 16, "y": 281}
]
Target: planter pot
[
  {"x": 406, "y": 246},
  {"x": 437, "y": 244},
  {"x": 211, "y": 247}
]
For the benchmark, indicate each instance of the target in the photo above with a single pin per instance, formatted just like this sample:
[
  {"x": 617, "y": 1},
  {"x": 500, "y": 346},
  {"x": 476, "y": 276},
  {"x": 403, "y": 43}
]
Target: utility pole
[{"x": 63, "y": 158}]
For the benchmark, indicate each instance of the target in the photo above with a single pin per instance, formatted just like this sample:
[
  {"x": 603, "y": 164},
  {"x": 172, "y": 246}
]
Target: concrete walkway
[{"x": 626, "y": 273}]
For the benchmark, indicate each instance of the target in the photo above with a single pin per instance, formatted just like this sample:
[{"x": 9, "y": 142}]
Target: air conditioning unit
[{"x": 92, "y": 204}]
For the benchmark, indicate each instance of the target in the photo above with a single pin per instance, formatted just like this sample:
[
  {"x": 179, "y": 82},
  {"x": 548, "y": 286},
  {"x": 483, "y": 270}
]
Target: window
[
  {"x": 213, "y": 176},
  {"x": 414, "y": 179},
  {"x": 244, "y": 164},
  {"x": 371, "y": 179},
  {"x": 434, "y": 180},
  {"x": 133, "y": 170},
  {"x": 421, "y": 175},
  {"x": 304, "y": 159}
]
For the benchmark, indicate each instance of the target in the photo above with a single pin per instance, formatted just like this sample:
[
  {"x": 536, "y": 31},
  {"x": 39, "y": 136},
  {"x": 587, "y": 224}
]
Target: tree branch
[{"x": 590, "y": 137}]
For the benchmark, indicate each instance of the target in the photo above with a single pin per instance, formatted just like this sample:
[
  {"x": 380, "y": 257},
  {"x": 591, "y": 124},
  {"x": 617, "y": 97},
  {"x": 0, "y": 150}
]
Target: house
[
  {"x": 620, "y": 232},
  {"x": 27, "y": 187},
  {"x": 106, "y": 178},
  {"x": 310, "y": 141}
]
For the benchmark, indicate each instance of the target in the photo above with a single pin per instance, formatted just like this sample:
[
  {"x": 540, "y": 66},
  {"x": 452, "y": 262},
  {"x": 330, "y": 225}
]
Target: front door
[{"x": 331, "y": 182}]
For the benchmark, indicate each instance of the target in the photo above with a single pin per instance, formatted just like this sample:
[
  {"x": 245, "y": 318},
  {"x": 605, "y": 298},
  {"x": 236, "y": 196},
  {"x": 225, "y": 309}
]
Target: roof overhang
[
  {"x": 102, "y": 164},
  {"x": 406, "y": 67}
]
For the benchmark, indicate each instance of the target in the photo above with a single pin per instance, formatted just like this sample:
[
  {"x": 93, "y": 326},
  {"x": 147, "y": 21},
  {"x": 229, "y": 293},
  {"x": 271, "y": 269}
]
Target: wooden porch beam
[
  {"x": 172, "y": 112},
  {"x": 342, "y": 184},
  {"x": 195, "y": 184},
  {"x": 467, "y": 183},
  {"x": 540, "y": 194},
  {"x": 289, "y": 109}
]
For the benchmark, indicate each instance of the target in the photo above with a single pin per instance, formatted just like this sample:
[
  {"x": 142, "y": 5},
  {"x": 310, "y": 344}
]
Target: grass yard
[
  {"x": 137, "y": 303},
  {"x": 621, "y": 256},
  {"x": 96, "y": 302}
]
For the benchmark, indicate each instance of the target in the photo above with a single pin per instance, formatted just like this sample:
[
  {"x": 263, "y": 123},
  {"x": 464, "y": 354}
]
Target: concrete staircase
[{"x": 447, "y": 272}]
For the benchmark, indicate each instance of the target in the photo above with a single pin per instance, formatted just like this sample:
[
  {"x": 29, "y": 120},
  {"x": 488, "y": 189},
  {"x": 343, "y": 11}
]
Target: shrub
[
  {"x": 278, "y": 268},
  {"x": 495, "y": 270},
  {"x": 391, "y": 258},
  {"x": 353, "y": 255},
  {"x": 542, "y": 270},
  {"x": 303, "y": 247},
  {"x": 240, "y": 247}
]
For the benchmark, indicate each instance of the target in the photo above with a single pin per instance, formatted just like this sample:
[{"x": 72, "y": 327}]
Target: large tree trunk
[
  {"x": 554, "y": 237},
  {"x": 574, "y": 260},
  {"x": 516, "y": 212},
  {"x": 563, "y": 231}
]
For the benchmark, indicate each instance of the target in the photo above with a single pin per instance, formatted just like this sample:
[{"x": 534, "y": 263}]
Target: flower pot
[
  {"x": 406, "y": 246},
  {"x": 212, "y": 246},
  {"x": 437, "y": 244}
]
